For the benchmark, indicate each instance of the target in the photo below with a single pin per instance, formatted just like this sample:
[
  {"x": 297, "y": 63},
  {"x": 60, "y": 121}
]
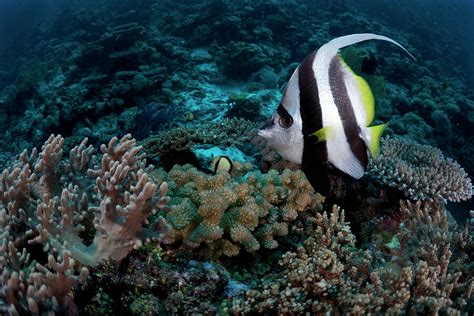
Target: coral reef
[
  {"x": 226, "y": 212},
  {"x": 60, "y": 204},
  {"x": 101, "y": 72},
  {"x": 186, "y": 77},
  {"x": 329, "y": 274},
  {"x": 421, "y": 171}
]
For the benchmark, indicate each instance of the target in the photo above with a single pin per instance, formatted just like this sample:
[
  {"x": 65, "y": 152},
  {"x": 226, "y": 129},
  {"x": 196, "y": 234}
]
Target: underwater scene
[{"x": 225, "y": 157}]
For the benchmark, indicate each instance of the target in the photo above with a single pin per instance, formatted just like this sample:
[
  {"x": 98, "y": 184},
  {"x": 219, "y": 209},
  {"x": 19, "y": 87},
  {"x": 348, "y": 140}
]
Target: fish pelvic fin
[
  {"x": 375, "y": 133},
  {"x": 331, "y": 48}
]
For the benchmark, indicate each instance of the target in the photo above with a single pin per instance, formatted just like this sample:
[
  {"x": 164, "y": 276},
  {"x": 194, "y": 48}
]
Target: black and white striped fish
[{"x": 325, "y": 115}]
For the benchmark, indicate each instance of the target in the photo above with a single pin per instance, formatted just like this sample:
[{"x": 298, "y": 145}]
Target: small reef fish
[
  {"x": 221, "y": 163},
  {"x": 325, "y": 114}
]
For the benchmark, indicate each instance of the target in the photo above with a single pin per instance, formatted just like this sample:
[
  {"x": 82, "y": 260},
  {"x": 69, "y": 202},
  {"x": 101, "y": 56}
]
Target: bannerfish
[{"x": 325, "y": 114}]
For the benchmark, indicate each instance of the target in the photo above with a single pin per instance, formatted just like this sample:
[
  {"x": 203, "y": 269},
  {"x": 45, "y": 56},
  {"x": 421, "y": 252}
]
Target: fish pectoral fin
[
  {"x": 324, "y": 133},
  {"x": 375, "y": 133}
]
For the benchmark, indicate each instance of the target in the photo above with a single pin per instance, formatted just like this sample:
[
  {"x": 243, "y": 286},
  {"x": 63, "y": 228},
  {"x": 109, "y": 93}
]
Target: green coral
[
  {"x": 101, "y": 304},
  {"x": 145, "y": 304},
  {"x": 223, "y": 213}
]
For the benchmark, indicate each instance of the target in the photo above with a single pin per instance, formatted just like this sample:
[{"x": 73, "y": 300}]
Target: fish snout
[
  {"x": 267, "y": 125},
  {"x": 265, "y": 133},
  {"x": 265, "y": 129}
]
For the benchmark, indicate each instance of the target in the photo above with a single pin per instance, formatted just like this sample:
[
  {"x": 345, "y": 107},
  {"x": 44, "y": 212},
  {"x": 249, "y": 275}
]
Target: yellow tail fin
[{"x": 375, "y": 134}]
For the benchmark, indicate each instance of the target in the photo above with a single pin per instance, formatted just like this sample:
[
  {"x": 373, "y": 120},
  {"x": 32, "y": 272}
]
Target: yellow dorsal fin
[
  {"x": 375, "y": 134},
  {"x": 367, "y": 98}
]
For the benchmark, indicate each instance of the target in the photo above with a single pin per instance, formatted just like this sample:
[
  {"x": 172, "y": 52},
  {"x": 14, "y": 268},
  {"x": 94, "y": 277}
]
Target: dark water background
[
  {"x": 19, "y": 20},
  {"x": 454, "y": 19}
]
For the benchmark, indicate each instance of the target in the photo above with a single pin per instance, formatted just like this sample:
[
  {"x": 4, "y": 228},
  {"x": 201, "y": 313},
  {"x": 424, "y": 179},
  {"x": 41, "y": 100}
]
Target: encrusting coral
[
  {"x": 59, "y": 204},
  {"x": 420, "y": 171},
  {"x": 225, "y": 212},
  {"x": 225, "y": 133},
  {"x": 328, "y": 274}
]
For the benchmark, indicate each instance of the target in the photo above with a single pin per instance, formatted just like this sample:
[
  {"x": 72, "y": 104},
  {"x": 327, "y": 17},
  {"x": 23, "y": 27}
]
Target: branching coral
[
  {"x": 321, "y": 275},
  {"x": 421, "y": 171},
  {"x": 225, "y": 212},
  {"x": 125, "y": 198},
  {"x": 330, "y": 275},
  {"x": 29, "y": 287},
  {"x": 443, "y": 275},
  {"x": 50, "y": 201}
]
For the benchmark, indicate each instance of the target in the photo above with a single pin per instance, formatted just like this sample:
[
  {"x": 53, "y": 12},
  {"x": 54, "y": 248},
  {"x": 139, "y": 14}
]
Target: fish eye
[{"x": 285, "y": 121}]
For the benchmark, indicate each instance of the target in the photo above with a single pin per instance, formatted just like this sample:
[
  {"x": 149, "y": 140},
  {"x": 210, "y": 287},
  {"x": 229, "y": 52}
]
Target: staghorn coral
[
  {"x": 226, "y": 212},
  {"x": 59, "y": 204},
  {"x": 52, "y": 198},
  {"x": 443, "y": 276},
  {"x": 322, "y": 274},
  {"x": 420, "y": 171},
  {"x": 328, "y": 274}
]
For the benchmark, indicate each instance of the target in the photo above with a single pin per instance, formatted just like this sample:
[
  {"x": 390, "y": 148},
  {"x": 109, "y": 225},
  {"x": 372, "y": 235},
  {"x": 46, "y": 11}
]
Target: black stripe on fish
[
  {"x": 281, "y": 110},
  {"x": 286, "y": 120},
  {"x": 314, "y": 153},
  {"x": 346, "y": 111}
]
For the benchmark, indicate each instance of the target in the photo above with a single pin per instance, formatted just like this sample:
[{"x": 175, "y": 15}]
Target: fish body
[
  {"x": 325, "y": 114},
  {"x": 221, "y": 163}
]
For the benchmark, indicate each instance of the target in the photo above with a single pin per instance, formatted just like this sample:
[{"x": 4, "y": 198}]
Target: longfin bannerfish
[{"x": 325, "y": 115}]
